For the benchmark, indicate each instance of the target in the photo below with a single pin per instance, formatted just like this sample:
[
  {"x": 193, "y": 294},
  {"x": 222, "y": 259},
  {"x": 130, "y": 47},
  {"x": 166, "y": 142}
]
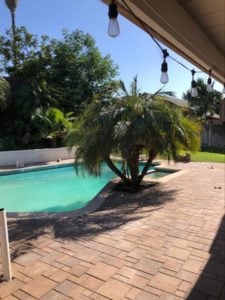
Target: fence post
[{"x": 4, "y": 241}]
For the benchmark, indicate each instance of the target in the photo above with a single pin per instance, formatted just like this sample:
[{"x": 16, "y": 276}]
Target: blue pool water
[{"x": 51, "y": 190}]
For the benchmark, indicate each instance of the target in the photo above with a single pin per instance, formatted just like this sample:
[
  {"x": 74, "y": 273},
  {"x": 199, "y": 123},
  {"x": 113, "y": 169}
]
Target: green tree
[
  {"x": 4, "y": 93},
  {"x": 52, "y": 126},
  {"x": 206, "y": 103},
  {"x": 66, "y": 74},
  {"x": 128, "y": 126}
]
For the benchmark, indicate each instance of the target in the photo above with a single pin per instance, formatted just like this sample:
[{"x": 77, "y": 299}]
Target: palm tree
[
  {"x": 12, "y": 5},
  {"x": 206, "y": 102},
  {"x": 4, "y": 93},
  {"x": 128, "y": 126},
  {"x": 52, "y": 125}
]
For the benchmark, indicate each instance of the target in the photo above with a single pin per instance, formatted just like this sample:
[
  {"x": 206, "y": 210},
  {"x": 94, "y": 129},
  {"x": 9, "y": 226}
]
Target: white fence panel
[{"x": 23, "y": 157}]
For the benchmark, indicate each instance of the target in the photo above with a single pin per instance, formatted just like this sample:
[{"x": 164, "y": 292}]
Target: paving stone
[
  {"x": 145, "y": 275},
  {"x": 68, "y": 260},
  {"x": 127, "y": 271},
  {"x": 209, "y": 286},
  {"x": 133, "y": 293},
  {"x": 102, "y": 271},
  {"x": 200, "y": 253},
  {"x": 138, "y": 281},
  {"x": 78, "y": 270},
  {"x": 153, "y": 291},
  {"x": 39, "y": 286},
  {"x": 215, "y": 268},
  {"x": 27, "y": 259},
  {"x": 70, "y": 289},
  {"x": 187, "y": 276},
  {"x": 166, "y": 296},
  {"x": 152, "y": 242},
  {"x": 137, "y": 253},
  {"x": 10, "y": 297},
  {"x": 148, "y": 266},
  {"x": 125, "y": 245},
  {"x": 59, "y": 276},
  {"x": 192, "y": 265},
  {"x": 113, "y": 261},
  {"x": 52, "y": 257},
  {"x": 96, "y": 296},
  {"x": 88, "y": 282},
  {"x": 114, "y": 289},
  {"x": 120, "y": 277},
  {"x": 178, "y": 253},
  {"x": 172, "y": 265},
  {"x": 180, "y": 294},
  {"x": 74, "y": 247},
  {"x": 7, "y": 288},
  {"x": 53, "y": 295},
  {"x": 22, "y": 295},
  {"x": 168, "y": 272},
  {"x": 146, "y": 296},
  {"x": 87, "y": 254},
  {"x": 35, "y": 269},
  {"x": 165, "y": 282},
  {"x": 185, "y": 286}
]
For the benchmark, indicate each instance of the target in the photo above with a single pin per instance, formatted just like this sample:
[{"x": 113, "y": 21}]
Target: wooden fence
[{"x": 214, "y": 136}]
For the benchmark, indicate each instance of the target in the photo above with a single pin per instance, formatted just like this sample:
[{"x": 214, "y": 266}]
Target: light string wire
[{"x": 146, "y": 29}]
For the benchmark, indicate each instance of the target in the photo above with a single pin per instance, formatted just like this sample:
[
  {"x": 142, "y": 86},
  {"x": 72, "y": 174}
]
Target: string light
[
  {"x": 164, "y": 68},
  {"x": 114, "y": 31},
  {"x": 113, "y": 27},
  {"x": 223, "y": 91},
  {"x": 194, "y": 90},
  {"x": 209, "y": 82}
]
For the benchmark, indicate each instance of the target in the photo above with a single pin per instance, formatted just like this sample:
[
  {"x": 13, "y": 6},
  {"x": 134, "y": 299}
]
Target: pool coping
[{"x": 96, "y": 202}]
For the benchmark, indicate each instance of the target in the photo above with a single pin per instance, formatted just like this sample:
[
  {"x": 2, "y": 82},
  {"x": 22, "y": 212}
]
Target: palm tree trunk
[
  {"x": 14, "y": 39},
  {"x": 13, "y": 24},
  {"x": 133, "y": 163},
  {"x": 111, "y": 165},
  {"x": 152, "y": 154}
]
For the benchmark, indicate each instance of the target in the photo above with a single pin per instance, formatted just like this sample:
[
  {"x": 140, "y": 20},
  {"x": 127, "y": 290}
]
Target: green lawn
[{"x": 208, "y": 157}]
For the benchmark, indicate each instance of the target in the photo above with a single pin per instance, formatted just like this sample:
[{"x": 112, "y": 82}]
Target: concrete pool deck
[{"x": 165, "y": 243}]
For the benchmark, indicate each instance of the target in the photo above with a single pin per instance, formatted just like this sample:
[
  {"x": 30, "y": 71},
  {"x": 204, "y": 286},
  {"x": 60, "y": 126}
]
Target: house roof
[
  {"x": 177, "y": 101},
  {"x": 195, "y": 29}
]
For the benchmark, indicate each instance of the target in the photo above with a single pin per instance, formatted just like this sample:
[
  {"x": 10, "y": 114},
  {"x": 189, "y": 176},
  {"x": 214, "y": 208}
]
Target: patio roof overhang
[{"x": 195, "y": 29}]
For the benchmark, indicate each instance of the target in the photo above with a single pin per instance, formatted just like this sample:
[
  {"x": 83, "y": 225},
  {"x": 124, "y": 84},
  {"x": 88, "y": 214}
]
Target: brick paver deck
[{"x": 166, "y": 243}]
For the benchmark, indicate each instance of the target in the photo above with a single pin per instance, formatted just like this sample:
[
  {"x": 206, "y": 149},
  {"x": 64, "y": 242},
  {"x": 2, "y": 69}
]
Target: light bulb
[
  {"x": 164, "y": 78},
  {"x": 164, "y": 75},
  {"x": 113, "y": 28},
  {"x": 194, "y": 92},
  {"x": 209, "y": 88}
]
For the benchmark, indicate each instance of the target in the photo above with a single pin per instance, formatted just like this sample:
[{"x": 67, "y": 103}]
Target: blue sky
[{"x": 133, "y": 51}]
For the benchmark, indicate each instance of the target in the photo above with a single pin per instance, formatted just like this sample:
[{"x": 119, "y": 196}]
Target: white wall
[{"x": 23, "y": 157}]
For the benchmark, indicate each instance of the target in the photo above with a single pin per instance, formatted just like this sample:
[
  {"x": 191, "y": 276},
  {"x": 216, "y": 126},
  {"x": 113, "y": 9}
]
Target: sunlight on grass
[{"x": 208, "y": 157}]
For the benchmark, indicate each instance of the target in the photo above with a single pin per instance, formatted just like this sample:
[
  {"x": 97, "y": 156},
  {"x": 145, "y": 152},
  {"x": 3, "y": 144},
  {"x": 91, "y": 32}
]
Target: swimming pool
[{"x": 52, "y": 190}]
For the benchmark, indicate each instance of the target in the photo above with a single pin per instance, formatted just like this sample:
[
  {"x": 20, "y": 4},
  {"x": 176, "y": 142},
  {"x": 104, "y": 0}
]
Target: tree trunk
[
  {"x": 111, "y": 165},
  {"x": 15, "y": 62},
  {"x": 133, "y": 163},
  {"x": 152, "y": 154}
]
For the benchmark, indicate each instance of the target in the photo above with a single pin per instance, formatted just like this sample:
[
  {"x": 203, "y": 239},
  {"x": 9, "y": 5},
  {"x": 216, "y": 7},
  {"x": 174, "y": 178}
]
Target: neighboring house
[{"x": 177, "y": 101}]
